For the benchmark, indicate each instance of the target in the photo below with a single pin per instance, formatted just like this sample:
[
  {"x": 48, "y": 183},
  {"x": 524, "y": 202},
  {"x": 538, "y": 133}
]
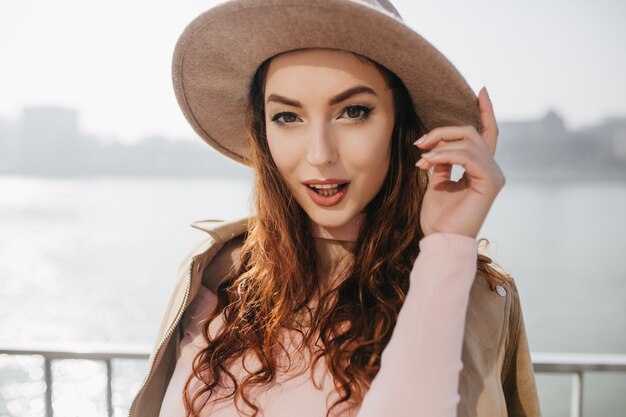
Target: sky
[{"x": 110, "y": 60}]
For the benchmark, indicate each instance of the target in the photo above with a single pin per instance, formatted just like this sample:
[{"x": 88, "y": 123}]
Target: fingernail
[
  {"x": 486, "y": 92},
  {"x": 427, "y": 155},
  {"x": 420, "y": 163},
  {"x": 420, "y": 140}
]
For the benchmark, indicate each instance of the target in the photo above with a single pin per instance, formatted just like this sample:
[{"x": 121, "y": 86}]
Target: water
[{"x": 94, "y": 261}]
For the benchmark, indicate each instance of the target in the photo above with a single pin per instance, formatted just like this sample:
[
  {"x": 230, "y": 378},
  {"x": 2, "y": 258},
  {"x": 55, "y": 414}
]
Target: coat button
[{"x": 501, "y": 291}]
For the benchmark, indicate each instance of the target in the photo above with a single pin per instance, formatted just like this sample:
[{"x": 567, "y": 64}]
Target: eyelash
[{"x": 366, "y": 110}]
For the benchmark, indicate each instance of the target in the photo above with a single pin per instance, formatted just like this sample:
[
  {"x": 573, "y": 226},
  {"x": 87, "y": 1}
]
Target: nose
[{"x": 321, "y": 149}]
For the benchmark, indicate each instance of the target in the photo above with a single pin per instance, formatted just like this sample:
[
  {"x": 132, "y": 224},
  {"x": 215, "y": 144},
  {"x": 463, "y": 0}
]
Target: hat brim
[{"x": 218, "y": 53}]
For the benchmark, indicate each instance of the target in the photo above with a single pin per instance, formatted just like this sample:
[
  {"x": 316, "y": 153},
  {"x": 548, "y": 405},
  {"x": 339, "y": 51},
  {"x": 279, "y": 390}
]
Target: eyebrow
[{"x": 359, "y": 89}]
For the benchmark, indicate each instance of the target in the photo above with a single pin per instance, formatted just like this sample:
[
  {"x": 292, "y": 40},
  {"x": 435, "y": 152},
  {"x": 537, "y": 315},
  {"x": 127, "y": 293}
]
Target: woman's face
[{"x": 329, "y": 119}]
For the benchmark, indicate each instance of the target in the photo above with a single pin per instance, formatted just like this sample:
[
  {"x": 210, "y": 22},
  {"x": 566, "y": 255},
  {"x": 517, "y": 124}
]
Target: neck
[
  {"x": 347, "y": 232},
  {"x": 335, "y": 245}
]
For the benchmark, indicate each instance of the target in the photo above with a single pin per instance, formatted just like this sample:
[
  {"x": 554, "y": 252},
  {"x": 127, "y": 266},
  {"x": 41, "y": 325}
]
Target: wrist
[{"x": 462, "y": 233}]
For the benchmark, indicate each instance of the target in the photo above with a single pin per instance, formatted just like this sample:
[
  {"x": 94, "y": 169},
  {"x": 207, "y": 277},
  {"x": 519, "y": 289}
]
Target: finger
[
  {"x": 449, "y": 134},
  {"x": 489, "y": 126},
  {"x": 441, "y": 172},
  {"x": 465, "y": 145},
  {"x": 470, "y": 163}
]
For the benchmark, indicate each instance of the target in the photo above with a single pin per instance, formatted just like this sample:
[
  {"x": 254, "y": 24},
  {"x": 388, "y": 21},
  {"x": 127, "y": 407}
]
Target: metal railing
[
  {"x": 575, "y": 364},
  {"x": 91, "y": 352}
]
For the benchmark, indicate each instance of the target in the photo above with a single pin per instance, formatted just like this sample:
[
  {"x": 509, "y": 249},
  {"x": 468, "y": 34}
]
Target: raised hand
[{"x": 461, "y": 206}]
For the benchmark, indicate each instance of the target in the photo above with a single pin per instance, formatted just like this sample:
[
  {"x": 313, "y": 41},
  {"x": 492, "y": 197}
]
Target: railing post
[
  {"x": 109, "y": 388},
  {"x": 48, "y": 376},
  {"x": 577, "y": 394}
]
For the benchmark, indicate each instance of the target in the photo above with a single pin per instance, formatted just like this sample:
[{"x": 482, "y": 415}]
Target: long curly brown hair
[{"x": 278, "y": 277}]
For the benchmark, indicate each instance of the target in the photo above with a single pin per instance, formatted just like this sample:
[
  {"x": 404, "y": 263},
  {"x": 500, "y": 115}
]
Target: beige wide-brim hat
[{"x": 218, "y": 53}]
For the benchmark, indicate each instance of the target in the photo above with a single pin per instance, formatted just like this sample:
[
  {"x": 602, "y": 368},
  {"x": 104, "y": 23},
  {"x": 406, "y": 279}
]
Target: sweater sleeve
[{"x": 421, "y": 364}]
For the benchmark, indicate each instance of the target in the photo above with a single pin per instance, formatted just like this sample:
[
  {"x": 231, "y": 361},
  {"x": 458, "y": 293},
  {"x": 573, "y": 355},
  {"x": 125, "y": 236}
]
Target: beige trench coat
[{"x": 497, "y": 378}]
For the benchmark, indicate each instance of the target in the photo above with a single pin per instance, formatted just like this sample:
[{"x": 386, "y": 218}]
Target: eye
[
  {"x": 286, "y": 116},
  {"x": 357, "y": 113}
]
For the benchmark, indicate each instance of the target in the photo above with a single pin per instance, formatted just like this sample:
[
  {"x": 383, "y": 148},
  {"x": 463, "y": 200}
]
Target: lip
[
  {"x": 326, "y": 201},
  {"x": 328, "y": 181}
]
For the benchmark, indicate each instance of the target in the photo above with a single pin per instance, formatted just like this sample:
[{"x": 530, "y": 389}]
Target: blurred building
[
  {"x": 546, "y": 145},
  {"x": 8, "y": 145},
  {"x": 50, "y": 142}
]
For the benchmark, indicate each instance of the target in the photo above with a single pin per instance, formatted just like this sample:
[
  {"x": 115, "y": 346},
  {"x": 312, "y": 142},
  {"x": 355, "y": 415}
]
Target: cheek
[
  {"x": 370, "y": 152},
  {"x": 285, "y": 151},
  {"x": 368, "y": 158}
]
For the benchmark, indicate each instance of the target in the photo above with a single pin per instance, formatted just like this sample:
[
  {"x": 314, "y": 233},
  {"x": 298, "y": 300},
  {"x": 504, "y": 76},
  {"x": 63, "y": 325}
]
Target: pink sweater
[{"x": 420, "y": 366}]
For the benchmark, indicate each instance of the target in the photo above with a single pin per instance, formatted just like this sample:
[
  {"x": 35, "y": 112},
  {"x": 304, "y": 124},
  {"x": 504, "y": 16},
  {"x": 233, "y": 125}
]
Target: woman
[{"x": 347, "y": 292}]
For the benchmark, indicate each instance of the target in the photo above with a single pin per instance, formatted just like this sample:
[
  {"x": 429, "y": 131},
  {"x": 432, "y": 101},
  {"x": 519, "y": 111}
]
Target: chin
[{"x": 330, "y": 218}]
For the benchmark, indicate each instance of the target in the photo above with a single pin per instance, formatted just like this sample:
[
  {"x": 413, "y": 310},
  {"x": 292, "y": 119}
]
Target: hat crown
[{"x": 384, "y": 5}]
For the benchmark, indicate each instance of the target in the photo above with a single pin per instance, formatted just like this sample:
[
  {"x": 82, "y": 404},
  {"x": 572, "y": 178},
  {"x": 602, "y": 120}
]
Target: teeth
[
  {"x": 325, "y": 189},
  {"x": 323, "y": 186},
  {"x": 327, "y": 192}
]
